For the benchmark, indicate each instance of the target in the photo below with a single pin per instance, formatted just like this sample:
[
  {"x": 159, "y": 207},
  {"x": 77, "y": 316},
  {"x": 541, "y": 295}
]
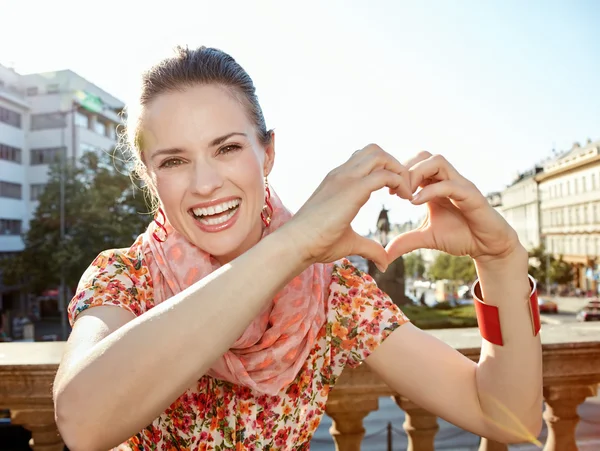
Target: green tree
[
  {"x": 542, "y": 265},
  {"x": 450, "y": 267},
  {"x": 104, "y": 209},
  {"x": 414, "y": 264},
  {"x": 561, "y": 272}
]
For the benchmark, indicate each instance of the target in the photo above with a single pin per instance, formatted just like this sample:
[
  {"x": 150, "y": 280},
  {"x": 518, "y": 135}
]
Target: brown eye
[
  {"x": 228, "y": 149},
  {"x": 171, "y": 162}
]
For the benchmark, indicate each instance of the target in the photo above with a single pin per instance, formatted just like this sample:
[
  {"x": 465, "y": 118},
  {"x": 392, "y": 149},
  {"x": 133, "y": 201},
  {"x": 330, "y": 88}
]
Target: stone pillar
[
  {"x": 45, "y": 436},
  {"x": 561, "y": 414},
  {"x": 420, "y": 425},
  {"x": 347, "y": 414},
  {"x": 490, "y": 445}
]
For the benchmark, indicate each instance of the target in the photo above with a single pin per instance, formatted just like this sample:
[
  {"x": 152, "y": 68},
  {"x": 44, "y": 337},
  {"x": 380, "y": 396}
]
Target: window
[
  {"x": 10, "y": 153},
  {"x": 10, "y": 227},
  {"x": 111, "y": 132},
  {"x": 10, "y": 190},
  {"x": 32, "y": 91},
  {"x": 593, "y": 182},
  {"x": 82, "y": 120},
  {"x": 52, "y": 89},
  {"x": 47, "y": 121},
  {"x": 46, "y": 155},
  {"x": 36, "y": 190},
  {"x": 583, "y": 185},
  {"x": 100, "y": 128},
  {"x": 10, "y": 117}
]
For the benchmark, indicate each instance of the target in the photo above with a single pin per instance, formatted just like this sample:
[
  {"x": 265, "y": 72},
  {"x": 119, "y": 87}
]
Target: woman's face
[{"x": 207, "y": 165}]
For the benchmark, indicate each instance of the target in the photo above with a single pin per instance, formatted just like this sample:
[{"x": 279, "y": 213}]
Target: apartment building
[
  {"x": 520, "y": 207},
  {"x": 569, "y": 188},
  {"x": 14, "y": 116},
  {"x": 44, "y": 117}
]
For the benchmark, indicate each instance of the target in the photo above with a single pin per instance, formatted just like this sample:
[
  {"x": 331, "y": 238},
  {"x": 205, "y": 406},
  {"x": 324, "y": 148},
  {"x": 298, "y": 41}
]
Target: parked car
[
  {"x": 591, "y": 312},
  {"x": 547, "y": 306}
]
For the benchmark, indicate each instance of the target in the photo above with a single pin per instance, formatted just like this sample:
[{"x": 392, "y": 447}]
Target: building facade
[
  {"x": 44, "y": 117},
  {"x": 521, "y": 208},
  {"x": 14, "y": 117},
  {"x": 569, "y": 188}
]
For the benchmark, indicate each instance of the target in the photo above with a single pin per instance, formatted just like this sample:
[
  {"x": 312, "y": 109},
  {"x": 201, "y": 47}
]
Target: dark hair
[{"x": 187, "y": 68}]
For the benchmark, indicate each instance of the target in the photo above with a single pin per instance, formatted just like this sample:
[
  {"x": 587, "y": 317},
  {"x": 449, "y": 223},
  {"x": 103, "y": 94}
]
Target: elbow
[
  {"x": 70, "y": 422},
  {"x": 527, "y": 431}
]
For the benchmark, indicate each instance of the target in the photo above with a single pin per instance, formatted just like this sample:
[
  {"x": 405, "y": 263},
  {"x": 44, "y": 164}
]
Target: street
[{"x": 567, "y": 310}]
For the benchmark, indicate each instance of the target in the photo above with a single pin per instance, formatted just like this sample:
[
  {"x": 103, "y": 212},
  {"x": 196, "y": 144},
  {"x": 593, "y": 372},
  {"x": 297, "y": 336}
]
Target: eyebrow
[{"x": 215, "y": 142}]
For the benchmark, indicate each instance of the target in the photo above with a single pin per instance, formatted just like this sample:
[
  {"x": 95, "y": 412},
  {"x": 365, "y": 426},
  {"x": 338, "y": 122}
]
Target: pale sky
[{"x": 491, "y": 85}]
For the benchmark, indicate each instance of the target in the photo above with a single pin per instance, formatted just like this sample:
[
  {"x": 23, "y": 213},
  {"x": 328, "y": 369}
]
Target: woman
[{"x": 236, "y": 318}]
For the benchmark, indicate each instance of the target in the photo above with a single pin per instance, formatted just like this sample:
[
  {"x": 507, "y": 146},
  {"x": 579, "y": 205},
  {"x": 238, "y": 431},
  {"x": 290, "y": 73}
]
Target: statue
[{"x": 391, "y": 281}]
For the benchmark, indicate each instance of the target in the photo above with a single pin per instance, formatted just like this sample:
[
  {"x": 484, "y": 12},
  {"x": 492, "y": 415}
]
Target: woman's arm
[
  {"x": 119, "y": 372},
  {"x": 500, "y": 397}
]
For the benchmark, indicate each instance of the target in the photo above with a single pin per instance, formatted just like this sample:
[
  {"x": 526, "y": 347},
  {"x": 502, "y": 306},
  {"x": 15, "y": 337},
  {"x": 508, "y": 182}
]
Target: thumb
[
  {"x": 405, "y": 243},
  {"x": 370, "y": 250}
]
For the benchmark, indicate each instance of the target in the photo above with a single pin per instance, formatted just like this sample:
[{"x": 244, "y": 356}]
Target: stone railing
[{"x": 571, "y": 374}]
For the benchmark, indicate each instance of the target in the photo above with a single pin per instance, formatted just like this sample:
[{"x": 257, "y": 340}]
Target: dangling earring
[
  {"x": 267, "y": 212},
  {"x": 160, "y": 225}
]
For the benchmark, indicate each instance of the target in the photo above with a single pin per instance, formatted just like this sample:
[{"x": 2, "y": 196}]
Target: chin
[{"x": 225, "y": 245}]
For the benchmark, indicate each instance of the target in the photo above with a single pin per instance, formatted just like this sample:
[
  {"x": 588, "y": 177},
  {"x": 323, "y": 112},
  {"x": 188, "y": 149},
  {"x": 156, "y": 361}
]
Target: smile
[{"x": 216, "y": 217}]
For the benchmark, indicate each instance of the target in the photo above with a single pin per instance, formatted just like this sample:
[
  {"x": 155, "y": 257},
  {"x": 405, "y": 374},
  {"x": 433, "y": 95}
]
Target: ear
[{"x": 269, "y": 155}]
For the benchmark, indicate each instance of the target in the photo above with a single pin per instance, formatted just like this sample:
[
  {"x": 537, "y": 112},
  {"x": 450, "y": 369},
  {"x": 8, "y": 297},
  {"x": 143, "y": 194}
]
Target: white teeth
[
  {"x": 219, "y": 220},
  {"x": 213, "y": 210}
]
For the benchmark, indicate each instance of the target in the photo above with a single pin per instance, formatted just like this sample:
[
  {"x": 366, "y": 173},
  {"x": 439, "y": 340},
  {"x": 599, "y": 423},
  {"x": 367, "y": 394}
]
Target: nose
[{"x": 206, "y": 179}]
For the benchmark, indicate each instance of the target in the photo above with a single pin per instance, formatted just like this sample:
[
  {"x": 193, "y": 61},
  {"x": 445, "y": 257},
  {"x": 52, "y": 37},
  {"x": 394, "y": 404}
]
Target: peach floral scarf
[{"x": 269, "y": 354}]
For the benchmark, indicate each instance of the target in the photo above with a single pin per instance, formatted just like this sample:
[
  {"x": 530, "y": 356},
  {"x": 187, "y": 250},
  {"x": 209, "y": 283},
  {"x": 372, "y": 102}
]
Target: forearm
[
  {"x": 134, "y": 373},
  {"x": 509, "y": 377}
]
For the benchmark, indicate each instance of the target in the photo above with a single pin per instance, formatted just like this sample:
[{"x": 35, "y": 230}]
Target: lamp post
[
  {"x": 95, "y": 105},
  {"x": 547, "y": 252},
  {"x": 63, "y": 159}
]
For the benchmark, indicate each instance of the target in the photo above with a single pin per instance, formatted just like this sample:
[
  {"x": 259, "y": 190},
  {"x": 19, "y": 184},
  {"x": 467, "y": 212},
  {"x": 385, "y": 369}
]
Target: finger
[
  {"x": 421, "y": 156},
  {"x": 459, "y": 194},
  {"x": 373, "y": 157},
  {"x": 408, "y": 242},
  {"x": 433, "y": 168},
  {"x": 382, "y": 178},
  {"x": 370, "y": 250}
]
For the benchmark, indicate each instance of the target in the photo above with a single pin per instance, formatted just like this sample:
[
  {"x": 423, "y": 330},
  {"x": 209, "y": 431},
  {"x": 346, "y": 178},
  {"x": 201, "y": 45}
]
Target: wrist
[
  {"x": 292, "y": 246},
  {"x": 517, "y": 261}
]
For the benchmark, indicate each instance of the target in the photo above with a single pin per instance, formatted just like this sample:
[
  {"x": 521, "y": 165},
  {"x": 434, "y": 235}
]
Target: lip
[
  {"x": 217, "y": 227},
  {"x": 214, "y": 202}
]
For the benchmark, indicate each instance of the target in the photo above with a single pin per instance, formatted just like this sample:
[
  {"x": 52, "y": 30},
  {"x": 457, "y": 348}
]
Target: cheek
[
  {"x": 246, "y": 172},
  {"x": 170, "y": 189}
]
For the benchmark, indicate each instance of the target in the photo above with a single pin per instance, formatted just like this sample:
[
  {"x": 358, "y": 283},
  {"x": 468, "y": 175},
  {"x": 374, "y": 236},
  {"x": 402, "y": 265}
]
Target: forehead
[{"x": 192, "y": 115}]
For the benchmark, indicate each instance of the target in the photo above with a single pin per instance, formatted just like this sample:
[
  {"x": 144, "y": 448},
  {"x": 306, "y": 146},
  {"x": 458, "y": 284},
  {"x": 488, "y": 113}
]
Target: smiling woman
[{"x": 227, "y": 323}]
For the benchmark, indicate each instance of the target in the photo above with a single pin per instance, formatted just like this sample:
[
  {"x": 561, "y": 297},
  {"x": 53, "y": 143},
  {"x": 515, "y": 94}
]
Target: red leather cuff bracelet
[{"x": 488, "y": 318}]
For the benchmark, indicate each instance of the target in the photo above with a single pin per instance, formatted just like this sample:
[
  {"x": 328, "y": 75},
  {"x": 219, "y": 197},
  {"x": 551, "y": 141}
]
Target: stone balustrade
[{"x": 571, "y": 374}]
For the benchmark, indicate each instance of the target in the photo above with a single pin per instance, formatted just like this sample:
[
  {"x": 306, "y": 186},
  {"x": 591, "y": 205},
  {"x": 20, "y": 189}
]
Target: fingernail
[
  {"x": 416, "y": 197},
  {"x": 380, "y": 268}
]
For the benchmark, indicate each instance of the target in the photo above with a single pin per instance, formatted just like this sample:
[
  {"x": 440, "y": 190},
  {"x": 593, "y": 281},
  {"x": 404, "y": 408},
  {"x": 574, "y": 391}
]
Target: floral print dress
[{"x": 217, "y": 415}]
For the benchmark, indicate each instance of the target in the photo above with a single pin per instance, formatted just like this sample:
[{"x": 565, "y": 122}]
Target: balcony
[{"x": 571, "y": 374}]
